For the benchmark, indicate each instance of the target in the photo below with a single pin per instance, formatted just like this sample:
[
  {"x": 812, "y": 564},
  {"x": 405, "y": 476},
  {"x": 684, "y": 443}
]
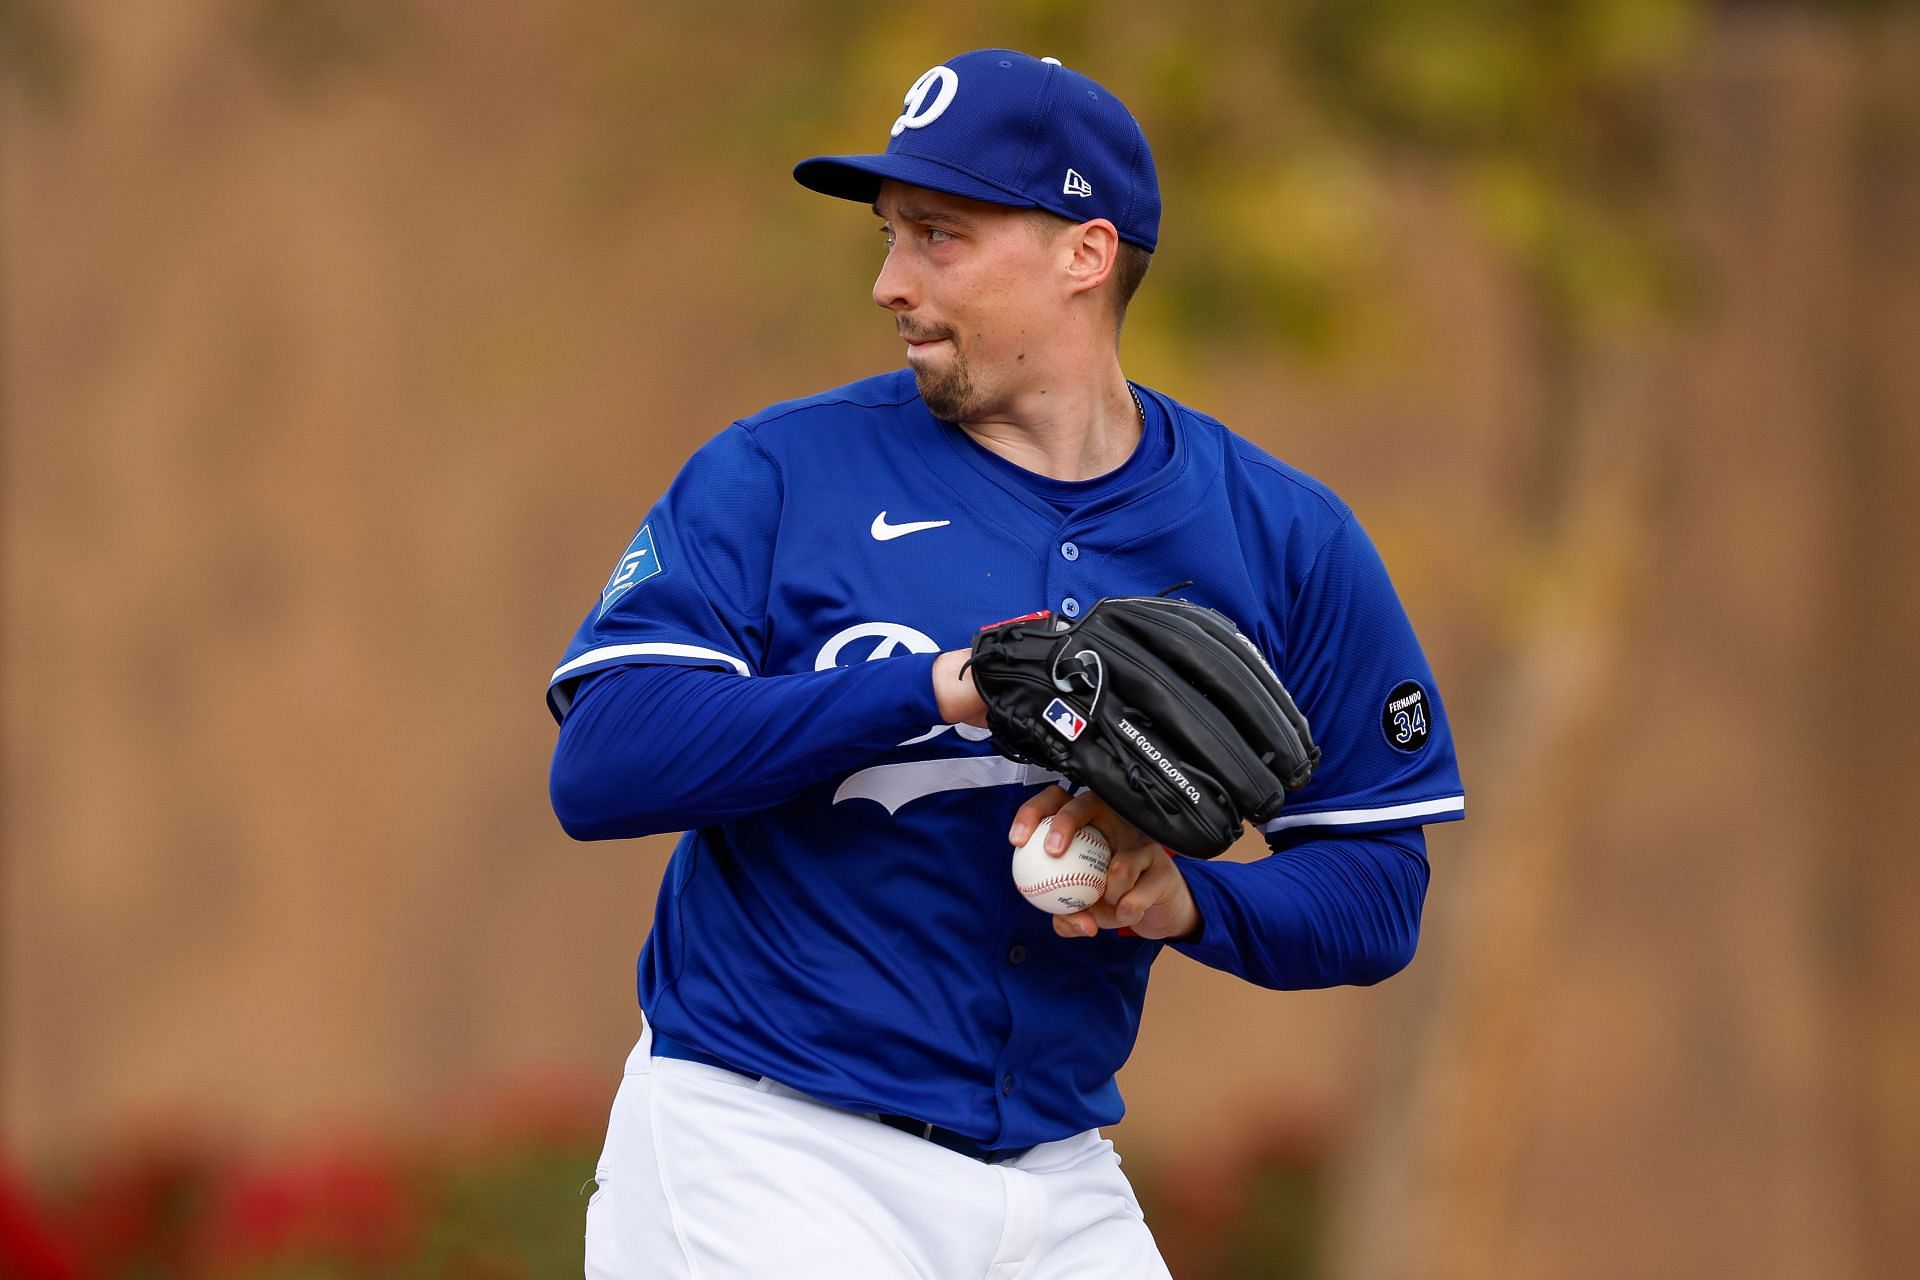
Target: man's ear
[{"x": 1092, "y": 250}]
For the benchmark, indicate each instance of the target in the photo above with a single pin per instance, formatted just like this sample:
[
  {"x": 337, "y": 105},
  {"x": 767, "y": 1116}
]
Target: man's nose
[{"x": 893, "y": 288}]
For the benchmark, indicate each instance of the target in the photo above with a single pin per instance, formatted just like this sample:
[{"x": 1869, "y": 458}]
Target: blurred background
[{"x": 344, "y": 342}]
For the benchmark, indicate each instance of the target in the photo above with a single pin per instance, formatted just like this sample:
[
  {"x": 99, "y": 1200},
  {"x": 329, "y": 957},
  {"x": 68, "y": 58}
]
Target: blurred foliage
[
  {"x": 501, "y": 1196},
  {"x": 1279, "y": 1234},
  {"x": 309, "y": 45},
  {"x": 1251, "y": 1210},
  {"x": 1546, "y": 121},
  {"x": 38, "y": 51}
]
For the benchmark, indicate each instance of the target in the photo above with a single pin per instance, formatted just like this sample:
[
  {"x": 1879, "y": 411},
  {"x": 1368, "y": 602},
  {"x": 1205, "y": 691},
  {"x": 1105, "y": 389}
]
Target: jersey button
[
  {"x": 1070, "y": 551},
  {"x": 1006, "y": 1086},
  {"x": 1017, "y": 954},
  {"x": 1070, "y": 607}
]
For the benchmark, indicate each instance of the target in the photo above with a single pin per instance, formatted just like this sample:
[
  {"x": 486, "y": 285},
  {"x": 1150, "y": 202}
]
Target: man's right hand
[{"x": 1146, "y": 892}]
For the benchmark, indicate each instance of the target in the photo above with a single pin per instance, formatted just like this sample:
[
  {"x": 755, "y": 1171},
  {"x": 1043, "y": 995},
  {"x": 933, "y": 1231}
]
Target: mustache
[{"x": 912, "y": 334}]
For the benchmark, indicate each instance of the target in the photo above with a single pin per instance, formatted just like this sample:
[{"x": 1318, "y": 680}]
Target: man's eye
[{"x": 934, "y": 235}]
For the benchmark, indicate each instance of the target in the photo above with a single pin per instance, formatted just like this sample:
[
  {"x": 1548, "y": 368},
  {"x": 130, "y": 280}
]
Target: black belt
[{"x": 668, "y": 1047}]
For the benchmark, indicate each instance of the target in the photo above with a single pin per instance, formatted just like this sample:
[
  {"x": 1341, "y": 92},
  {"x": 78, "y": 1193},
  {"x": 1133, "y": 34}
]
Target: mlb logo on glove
[{"x": 1068, "y": 723}]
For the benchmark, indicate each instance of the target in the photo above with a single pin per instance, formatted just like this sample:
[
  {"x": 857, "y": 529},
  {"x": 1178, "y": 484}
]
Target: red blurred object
[
  {"x": 181, "y": 1199},
  {"x": 29, "y": 1247},
  {"x": 139, "y": 1210},
  {"x": 1209, "y": 1194},
  {"x": 349, "y": 1204}
]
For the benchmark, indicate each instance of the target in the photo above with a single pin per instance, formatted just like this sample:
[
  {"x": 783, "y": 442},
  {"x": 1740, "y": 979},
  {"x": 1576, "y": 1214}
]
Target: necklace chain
[{"x": 1138, "y": 407}]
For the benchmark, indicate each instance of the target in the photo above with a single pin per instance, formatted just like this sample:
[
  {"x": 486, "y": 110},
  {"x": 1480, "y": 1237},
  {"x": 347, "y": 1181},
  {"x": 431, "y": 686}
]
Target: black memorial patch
[{"x": 1406, "y": 719}]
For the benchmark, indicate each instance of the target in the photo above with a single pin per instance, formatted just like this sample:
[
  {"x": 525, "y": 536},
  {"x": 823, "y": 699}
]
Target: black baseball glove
[{"x": 1160, "y": 706}]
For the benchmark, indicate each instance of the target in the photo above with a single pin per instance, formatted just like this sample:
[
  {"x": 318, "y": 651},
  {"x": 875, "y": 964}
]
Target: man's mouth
[{"x": 918, "y": 343}]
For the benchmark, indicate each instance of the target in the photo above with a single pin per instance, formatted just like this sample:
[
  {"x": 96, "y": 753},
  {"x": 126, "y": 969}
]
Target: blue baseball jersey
[{"x": 862, "y": 941}]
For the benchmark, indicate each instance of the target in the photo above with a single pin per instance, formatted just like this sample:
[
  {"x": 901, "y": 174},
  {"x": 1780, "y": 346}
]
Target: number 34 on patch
[{"x": 1404, "y": 718}]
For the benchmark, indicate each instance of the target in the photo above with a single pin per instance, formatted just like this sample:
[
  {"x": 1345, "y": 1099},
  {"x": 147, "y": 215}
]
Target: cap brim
[{"x": 859, "y": 178}]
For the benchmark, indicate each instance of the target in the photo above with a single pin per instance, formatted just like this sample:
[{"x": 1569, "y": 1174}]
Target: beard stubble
[{"x": 949, "y": 392}]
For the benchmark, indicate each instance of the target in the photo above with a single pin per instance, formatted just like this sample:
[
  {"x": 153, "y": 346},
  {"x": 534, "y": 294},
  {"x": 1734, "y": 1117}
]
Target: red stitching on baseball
[{"x": 1081, "y": 877}]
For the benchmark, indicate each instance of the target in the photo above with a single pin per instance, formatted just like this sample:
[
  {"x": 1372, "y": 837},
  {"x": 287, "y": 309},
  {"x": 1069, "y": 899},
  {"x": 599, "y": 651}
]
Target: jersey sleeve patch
[
  {"x": 640, "y": 561},
  {"x": 1405, "y": 719}
]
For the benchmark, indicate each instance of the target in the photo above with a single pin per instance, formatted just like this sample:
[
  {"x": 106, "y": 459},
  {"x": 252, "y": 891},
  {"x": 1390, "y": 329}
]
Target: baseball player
[{"x": 862, "y": 1053}]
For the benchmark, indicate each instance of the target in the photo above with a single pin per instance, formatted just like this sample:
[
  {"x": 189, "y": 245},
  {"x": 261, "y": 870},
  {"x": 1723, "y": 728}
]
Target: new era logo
[{"x": 1076, "y": 185}]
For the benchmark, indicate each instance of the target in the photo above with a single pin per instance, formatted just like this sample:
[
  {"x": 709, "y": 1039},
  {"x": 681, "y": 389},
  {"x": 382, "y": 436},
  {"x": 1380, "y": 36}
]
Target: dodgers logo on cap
[{"x": 939, "y": 84}]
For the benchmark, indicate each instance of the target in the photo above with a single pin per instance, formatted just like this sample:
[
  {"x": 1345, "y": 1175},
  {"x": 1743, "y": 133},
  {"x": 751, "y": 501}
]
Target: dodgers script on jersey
[{"x": 863, "y": 942}]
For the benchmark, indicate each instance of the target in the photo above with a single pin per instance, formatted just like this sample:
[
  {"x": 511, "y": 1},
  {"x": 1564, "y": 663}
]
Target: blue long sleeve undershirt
[
  {"x": 652, "y": 748},
  {"x": 1332, "y": 911}
]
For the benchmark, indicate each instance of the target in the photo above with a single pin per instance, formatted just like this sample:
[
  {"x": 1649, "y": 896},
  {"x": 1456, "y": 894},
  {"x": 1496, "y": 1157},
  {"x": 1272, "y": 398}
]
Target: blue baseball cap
[{"x": 1006, "y": 128}]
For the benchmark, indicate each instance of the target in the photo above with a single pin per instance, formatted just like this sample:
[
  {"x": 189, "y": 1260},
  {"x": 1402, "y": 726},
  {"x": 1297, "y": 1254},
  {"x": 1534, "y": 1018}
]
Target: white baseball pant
[{"x": 710, "y": 1175}]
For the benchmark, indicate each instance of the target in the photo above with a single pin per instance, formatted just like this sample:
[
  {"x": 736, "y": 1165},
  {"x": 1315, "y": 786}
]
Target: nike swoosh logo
[{"x": 884, "y": 532}]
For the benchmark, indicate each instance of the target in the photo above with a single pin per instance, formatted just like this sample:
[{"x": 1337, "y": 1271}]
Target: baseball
[{"x": 1073, "y": 881}]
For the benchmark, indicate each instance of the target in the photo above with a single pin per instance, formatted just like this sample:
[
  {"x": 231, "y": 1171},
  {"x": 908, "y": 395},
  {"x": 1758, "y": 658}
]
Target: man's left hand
[{"x": 1145, "y": 891}]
